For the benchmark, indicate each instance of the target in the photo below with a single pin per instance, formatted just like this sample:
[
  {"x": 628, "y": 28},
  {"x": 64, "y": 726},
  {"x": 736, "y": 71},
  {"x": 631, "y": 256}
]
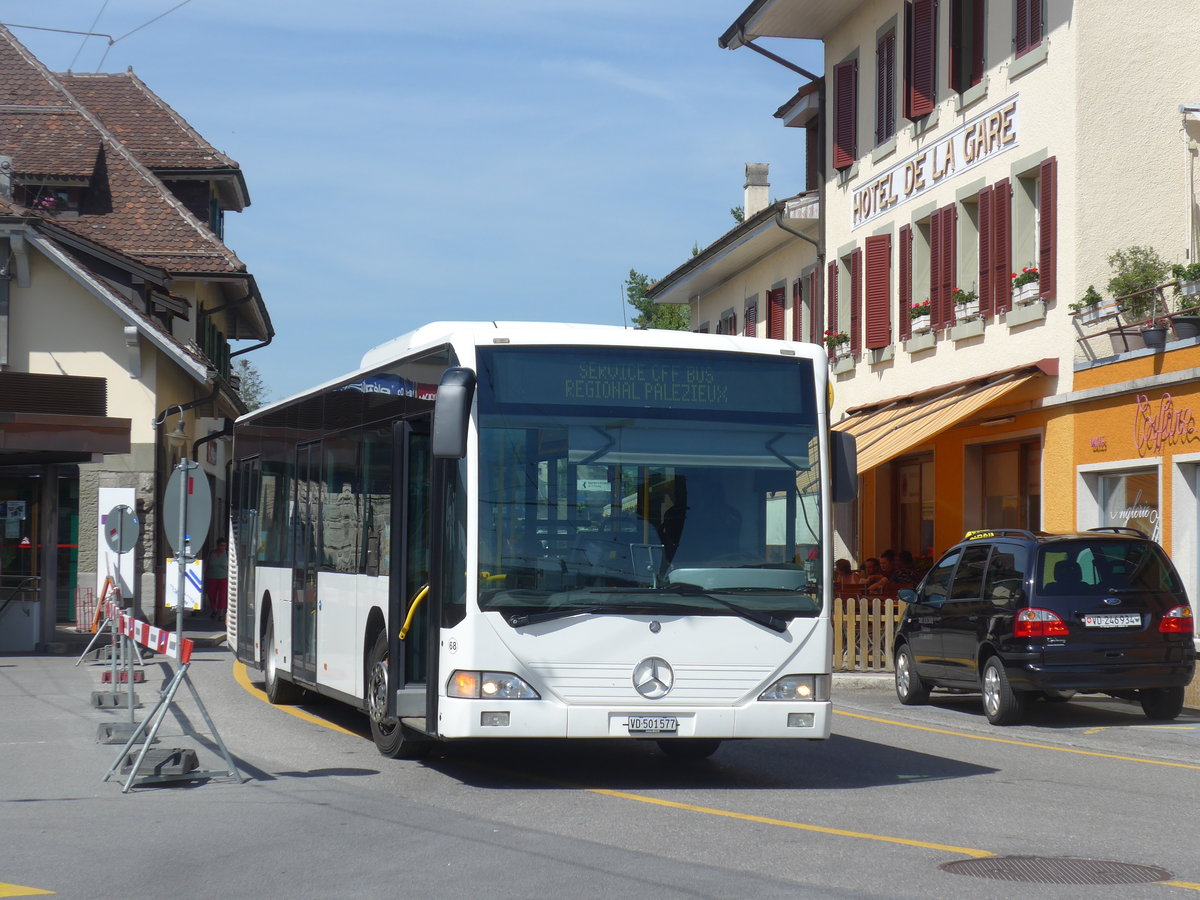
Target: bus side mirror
[
  {"x": 452, "y": 413},
  {"x": 843, "y": 459}
]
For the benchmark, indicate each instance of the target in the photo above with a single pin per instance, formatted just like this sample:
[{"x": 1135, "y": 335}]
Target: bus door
[
  {"x": 306, "y": 544},
  {"x": 246, "y": 490},
  {"x": 411, "y": 469}
]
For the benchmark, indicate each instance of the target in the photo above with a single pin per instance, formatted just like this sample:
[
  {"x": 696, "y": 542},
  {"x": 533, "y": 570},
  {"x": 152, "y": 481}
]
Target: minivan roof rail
[{"x": 1120, "y": 529}]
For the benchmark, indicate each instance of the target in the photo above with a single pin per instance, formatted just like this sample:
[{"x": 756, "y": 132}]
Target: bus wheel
[
  {"x": 689, "y": 748},
  {"x": 279, "y": 692},
  {"x": 394, "y": 739}
]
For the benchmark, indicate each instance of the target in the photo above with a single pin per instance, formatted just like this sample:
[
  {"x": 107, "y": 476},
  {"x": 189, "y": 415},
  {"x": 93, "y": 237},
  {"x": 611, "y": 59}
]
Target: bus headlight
[
  {"x": 798, "y": 687},
  {"x": 489, "y": 686}
]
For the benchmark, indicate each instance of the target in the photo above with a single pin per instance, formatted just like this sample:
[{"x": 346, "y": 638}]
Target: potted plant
[
  {"x": 920, "y": 315},
  {"x": 1025, "y": 285},
  {"x": 838, "y": 342},
  {"x": 1187, "y": 285},
  {"x": 1154, "y": 333},
  {"x": 966, "y": 304},
  {"x": 1137, "y": 272},
  {"x": 1087, "y": 307}
]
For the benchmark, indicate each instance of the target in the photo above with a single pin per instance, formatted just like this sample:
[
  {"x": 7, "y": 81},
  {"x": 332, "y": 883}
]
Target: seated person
[
  {"x": 874, "y": 580},
  {"x": 1068, "y": 578}
]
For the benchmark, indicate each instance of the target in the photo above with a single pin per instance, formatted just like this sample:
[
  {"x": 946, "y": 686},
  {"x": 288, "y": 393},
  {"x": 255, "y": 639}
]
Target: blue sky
[{"x": 464, "y": 159}]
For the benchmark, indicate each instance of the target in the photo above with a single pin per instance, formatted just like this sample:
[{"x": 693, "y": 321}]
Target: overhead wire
[{"x": 83, "y": 43}]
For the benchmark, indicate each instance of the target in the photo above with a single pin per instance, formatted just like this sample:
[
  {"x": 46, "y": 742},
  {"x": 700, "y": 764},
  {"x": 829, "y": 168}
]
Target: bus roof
[{"x": 436, "y": 334}]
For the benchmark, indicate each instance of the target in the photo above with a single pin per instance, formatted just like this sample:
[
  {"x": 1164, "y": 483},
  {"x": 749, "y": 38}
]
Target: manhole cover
[{"x": 1056, "y": 870}]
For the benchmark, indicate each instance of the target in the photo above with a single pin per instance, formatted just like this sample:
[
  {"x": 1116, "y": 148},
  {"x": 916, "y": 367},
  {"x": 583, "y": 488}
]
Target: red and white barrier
[{"x": 159, "y": 640}]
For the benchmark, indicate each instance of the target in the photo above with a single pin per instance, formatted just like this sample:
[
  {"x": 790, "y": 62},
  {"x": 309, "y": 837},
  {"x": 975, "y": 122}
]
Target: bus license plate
[
  {"x": 1113, "y": 620},
  {"x": 653, "y": 725}
]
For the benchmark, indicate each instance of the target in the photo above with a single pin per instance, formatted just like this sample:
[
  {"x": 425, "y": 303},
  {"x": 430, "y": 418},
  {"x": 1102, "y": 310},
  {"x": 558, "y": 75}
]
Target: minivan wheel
[
  {"x": 1161, "y": 704},
  {"x": 1001, "y": 704},
  {"x": 910, "y": 689}
]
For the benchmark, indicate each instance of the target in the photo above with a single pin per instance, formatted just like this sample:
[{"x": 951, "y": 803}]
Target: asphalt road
[{"x": 877, "y": 811}]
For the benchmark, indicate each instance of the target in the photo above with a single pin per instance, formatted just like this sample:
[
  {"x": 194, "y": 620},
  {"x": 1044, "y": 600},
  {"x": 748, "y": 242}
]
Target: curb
[{"x": 860, "y": 681}]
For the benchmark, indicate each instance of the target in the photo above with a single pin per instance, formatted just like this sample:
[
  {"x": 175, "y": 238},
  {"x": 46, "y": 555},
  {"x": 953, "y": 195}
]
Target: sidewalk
[{"x": 198, "y": 628}]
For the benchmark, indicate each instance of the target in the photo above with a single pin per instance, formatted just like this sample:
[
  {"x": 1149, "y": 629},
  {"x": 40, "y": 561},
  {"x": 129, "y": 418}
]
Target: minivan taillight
[
  {"x": 1039, "y": 623},
  {"x": 1177, "y": 621}
]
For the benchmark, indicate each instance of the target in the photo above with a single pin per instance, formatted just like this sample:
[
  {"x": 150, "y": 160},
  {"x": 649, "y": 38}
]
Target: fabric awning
[{"x": 885, "y": 432}]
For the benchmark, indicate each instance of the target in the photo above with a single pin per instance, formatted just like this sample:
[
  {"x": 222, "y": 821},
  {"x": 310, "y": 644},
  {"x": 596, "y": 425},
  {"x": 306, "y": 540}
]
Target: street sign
[
  {"x": 121, "y": 529},
  {"x": 187, "y": 507}
]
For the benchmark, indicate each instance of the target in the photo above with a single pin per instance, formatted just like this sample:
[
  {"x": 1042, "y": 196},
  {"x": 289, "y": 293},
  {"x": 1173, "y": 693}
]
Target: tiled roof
[
  {"x": 47, "y": 131},
  {"x": 157, "y": 135}
]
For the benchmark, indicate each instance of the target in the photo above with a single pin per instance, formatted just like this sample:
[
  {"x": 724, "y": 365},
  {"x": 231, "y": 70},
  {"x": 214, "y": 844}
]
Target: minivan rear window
[{"x": 1098, "y": 567}]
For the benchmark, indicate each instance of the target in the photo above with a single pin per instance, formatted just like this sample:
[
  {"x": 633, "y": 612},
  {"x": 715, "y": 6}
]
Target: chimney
[{"x": 757, "y": 187}]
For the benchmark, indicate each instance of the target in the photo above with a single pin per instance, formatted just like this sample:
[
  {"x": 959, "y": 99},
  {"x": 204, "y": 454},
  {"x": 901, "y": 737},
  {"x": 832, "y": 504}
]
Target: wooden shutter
[
  {"x": 751, "y": 324},
  {"x": 879, "y": 291},
  {"x": 986, "y": 293},
  {"x": 814, "y": 305},
  {"x": 856, "y": 285},
  {"x": 1002, "y": 245},
  {"x": 1047, "y": 228},
  {"x": 904, "y": 294},
  {"x": 1029, "y": 25},
  {"x": 845, "y": 137},
  {"x": 885, "y": 87},
  {"x": 775, "y": 323},
  {"x": 942, "y": 258},
  {"x": 978, "y": 43},
  {"x": 921, "y": 58},
  {"x": 832, "y": 320},
  {"x": 797, "y": 320}
]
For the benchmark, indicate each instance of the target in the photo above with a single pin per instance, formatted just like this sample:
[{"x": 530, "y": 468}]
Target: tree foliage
[
  {"x": 253, "y": 389},
  {"x": 672, "y": 317}
]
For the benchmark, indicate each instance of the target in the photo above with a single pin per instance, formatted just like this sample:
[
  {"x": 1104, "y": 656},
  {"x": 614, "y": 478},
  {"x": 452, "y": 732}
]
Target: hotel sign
[{"x": 982, "y": 138}]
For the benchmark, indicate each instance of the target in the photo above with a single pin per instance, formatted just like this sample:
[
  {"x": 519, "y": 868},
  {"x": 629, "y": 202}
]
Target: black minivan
[{"x": 1017, "y": 615}]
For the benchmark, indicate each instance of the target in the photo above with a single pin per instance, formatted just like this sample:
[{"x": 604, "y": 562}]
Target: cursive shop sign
[{"x": 1160, "y": 425}]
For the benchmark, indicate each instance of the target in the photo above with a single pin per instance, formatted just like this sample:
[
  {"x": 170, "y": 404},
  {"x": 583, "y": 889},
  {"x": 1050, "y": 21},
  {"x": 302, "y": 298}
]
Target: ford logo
[{"x": 1113, "y": 601}]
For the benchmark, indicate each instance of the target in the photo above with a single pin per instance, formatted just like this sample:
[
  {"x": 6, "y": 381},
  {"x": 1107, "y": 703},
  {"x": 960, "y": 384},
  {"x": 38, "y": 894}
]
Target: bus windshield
[{"x": 609, "y": 483}]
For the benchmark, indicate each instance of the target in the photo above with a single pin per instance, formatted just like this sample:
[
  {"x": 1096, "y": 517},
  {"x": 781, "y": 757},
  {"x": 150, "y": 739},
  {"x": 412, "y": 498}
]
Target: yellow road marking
[
  {"x": 1015, "y": 743},
  {"x": 240, "y": 676},
  {"x": 1189, "y": 885},
  {"x": 785, "y": 823},
  {"x": 15, "y": 890}
]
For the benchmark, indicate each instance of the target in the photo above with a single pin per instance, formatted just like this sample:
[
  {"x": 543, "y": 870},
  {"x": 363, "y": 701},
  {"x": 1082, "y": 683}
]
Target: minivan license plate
[
  {"x": 653, "y": 725},
  {"x": 1112, "y": 620}
]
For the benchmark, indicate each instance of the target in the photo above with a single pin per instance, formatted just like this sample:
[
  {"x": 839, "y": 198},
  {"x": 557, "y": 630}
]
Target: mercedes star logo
[{"x": 653, "y": 678}]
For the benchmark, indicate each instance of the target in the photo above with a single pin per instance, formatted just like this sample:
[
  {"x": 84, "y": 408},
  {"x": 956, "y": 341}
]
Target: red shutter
[
  {"x": 832, "y": 319},
  {"x": 935, "y": 257},
  {"x": 814, "y": 305},
  {"x": 949, "y": 260},
  {"x": 885, "y": 87},
  {"x": 1047, "y": 228},
  {"x": 775, "y": 324},
  {"x": 845, "y": 87},
  {"x": 797, "y": 321},
  {"x": 942, "y": 259},
  {"x": 1029, "y": 25},
  {"x": 922, "y": 56},
  {"x": 856, "y": 285},
  {"x": 986, "y": 294},
  {"x": 1002, "y": 245},
  {"x": 978, "y": 43},
  {"x": 879, "y": 291},
  {"x": 905, "y": 301},
  {"x": 751, "y": 324}
]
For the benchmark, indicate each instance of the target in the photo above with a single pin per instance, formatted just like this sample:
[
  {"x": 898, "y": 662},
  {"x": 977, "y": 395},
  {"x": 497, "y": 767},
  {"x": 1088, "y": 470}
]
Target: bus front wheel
[
  {"x": 279, "y": 692},
  {"x": 392, "y": 737}
]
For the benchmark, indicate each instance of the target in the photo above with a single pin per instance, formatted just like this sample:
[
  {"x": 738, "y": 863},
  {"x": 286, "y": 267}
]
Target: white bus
[{"x": 562, "y": 531}]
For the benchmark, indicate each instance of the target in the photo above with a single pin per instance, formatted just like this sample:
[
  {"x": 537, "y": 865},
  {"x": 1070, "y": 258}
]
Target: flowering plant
[
  {"x": 962, "y": 298},
  {"x": 46, "y": 201},
  {"x": 1028, "y": 275},
  {"x": 835, "y": 339},
  {"x": 920, "y": 309}
]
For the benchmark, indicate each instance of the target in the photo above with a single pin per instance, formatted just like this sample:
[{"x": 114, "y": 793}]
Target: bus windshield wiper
[
  {"x": 549, "y": 615},
  {"x": 684, "y": 589}
]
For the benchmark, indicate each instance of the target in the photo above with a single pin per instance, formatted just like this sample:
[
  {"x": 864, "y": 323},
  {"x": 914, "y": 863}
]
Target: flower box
[
  {"x": 965, "y": 312},
  {"x": 921, "y": 324},
  {"x": 1189, "y": 288},
  {"x": 1089, "y": 315},
  {"x": 1025, "y": 293}
]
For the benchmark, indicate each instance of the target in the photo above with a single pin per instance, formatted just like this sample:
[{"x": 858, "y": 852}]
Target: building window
[
  {"x": 845, "y": 115},
  {"x": 920, "y": 58},
  {"x": 832, "y": 312},
  {"x": 1035, "y": 224},
  {"x": 1012, "y": 493},
  {"x": 995, "y": 248},
  {"x": 751, "y": 318},
  {"x": 885, "y": 87},
  {"x": 1130, "y": 500},
  {"x": 1029, "y": 25},
  {"x": 904, "y": 293},
  {"x": 879, "y": 291},
  {"x": 814, "y": 305},
  {"x": 914, "y": 493},
  {"x": 966, "y": 44},
  {"x": 727, "y": 324},
  {"x": 798, "y": 309},
  {"x": 856, "y": 292}
]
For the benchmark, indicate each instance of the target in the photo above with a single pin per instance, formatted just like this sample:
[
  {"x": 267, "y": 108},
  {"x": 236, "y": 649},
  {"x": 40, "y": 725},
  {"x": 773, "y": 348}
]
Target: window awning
[{"x": 885, "y": 432}]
